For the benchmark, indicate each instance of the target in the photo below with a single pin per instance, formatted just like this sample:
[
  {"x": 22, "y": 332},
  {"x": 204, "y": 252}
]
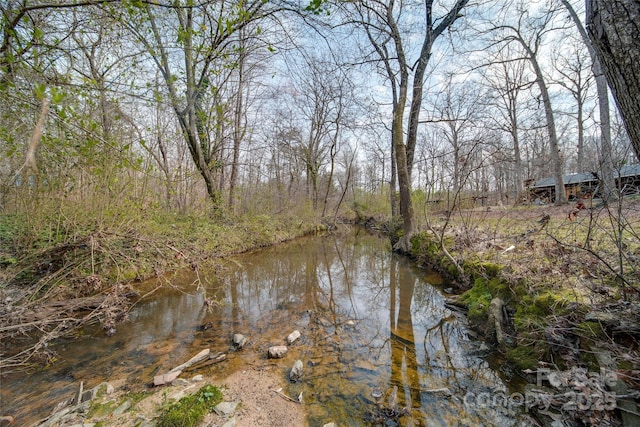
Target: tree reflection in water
[
  {"x": 361, "y": 311},
  {"x": 404, "y": 363}
]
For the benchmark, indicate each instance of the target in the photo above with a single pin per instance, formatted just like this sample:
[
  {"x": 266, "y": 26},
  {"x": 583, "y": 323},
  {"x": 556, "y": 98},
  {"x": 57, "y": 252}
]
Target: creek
[{"x": 370, "y": 321}]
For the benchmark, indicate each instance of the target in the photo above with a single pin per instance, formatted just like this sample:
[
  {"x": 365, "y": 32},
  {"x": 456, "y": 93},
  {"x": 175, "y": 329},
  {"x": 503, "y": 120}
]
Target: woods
[
  {"x": 138, "y": 137},
  {"x": 185, "y": 98},
  {"x": 123, "y": 116},
  {"x": 114, "y": 112}
]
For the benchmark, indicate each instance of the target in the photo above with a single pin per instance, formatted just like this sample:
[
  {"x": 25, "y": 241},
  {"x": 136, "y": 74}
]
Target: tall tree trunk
[
  {"x": 556, "y": 158},
  {"x": 580, "y": 119},
  {"x": 614, "y": 29},
  {"x": 238, "y": 129},
  {"x": 30, "y": 166},
  {"x": 431, "y": 34},
  {"x": 516, "y": 154},
  {"x": 393, "y": 182},
  {"x": 607, "y": 171},
  {"x": 404, "y": 183},
  {"x": 608, "y": 177}
]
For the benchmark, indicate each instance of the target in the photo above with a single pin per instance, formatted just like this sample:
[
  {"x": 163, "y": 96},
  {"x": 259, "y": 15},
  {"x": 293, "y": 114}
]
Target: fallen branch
[
  {"x": 195, "y": 359},
  {"x": 290, "y": 399},
  {"x": 36, "y": 323},
  {"x": 175, "y": 372},
  {"x": 213, "y": 359}
]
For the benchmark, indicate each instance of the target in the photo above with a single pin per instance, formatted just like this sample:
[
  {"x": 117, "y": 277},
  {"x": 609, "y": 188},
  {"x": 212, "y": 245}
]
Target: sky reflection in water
[{"x": 369, "y": 322}]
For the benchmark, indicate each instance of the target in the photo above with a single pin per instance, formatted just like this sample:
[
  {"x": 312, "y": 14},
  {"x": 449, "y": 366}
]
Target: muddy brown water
[{"x": 370, "y": 322}]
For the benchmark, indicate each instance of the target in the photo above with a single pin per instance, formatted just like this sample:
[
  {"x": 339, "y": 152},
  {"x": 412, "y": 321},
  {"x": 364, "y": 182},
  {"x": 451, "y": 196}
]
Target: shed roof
[{"x": 576, "y": 178}]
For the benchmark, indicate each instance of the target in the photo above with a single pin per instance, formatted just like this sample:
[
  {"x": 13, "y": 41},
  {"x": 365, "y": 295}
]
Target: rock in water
[
  {"x": 278, "y": 351},
  {"x": 239, "y": 341},
  {"x": 296, "y": 371},
  {"x": 293, "y": 336}
]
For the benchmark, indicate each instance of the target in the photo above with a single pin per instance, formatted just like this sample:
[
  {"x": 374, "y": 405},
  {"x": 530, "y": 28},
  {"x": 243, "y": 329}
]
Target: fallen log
[
  {"x": 170, "y": 376},
  {"x": 213, "y": 359}
]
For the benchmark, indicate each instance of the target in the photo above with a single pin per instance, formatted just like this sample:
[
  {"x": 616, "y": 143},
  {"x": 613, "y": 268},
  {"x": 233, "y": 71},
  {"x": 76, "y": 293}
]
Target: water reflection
[
  {"x": 369, "y": 322},
  {"x": 404, "y": 362}
]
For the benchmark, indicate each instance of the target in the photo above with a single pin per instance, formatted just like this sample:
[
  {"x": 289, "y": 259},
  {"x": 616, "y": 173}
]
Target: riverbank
[
  {"x": 247, "y": 397},
  {"x": 338, "y": 290},
  {"x": 92, "y": 272},
  {"x": 530, "y": 289},
  {"x": 69, "y": 273},
  {"x": 549, "y": 288}
]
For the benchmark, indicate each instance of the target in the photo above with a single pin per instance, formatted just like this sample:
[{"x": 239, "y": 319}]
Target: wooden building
[{"x": 583, "y": 185}]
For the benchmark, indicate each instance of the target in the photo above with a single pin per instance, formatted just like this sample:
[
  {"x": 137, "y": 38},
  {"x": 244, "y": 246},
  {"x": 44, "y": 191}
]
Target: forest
[{"x": 138, "y": 137}]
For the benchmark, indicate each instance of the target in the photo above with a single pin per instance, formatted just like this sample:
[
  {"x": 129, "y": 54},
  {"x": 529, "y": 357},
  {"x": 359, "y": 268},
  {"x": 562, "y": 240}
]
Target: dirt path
[{"x": 260, "y": 405}]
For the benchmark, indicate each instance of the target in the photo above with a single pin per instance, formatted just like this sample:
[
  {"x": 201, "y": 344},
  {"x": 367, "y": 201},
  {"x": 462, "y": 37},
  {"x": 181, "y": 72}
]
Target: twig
[
  {"x": 80, "y": 391},
  {"x": 290, "y": 399}
]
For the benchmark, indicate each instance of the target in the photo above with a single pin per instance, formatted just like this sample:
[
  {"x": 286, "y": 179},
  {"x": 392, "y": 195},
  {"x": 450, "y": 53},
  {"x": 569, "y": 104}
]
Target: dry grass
[{"x": 593, "y": 254}]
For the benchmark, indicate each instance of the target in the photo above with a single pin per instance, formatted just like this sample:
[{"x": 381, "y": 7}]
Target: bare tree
[
  {"x": 323, "y": 95},
  {"x": 382, "y": 22},
  {"x": 572, "y": 66},
  {"x": 529, "y": 32},
  {"x": 507, "y": 80},
  {"x": 456, "y": 115},
  {"x": 185, "y": 43}
]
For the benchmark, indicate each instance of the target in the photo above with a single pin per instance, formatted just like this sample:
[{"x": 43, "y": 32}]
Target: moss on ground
[
  {"x": 477, "y": 300},
  {"x": 424, "y": 245},
  {"x": 102, "y": 409},
  {"x": 526, "y": 357},
  {"x": 483, "y": 269},
  {"x": 534, "y": 304},
  {"x": 190, "y": 410}
]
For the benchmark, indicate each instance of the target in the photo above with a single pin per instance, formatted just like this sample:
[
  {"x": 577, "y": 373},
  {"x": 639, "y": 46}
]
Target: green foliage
[
  {"x": 11, "y": 228},
  {"x": 317, "y": 7},
  {"x": 190, "y": 410},
  {"x": 40, "y": 90}
]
